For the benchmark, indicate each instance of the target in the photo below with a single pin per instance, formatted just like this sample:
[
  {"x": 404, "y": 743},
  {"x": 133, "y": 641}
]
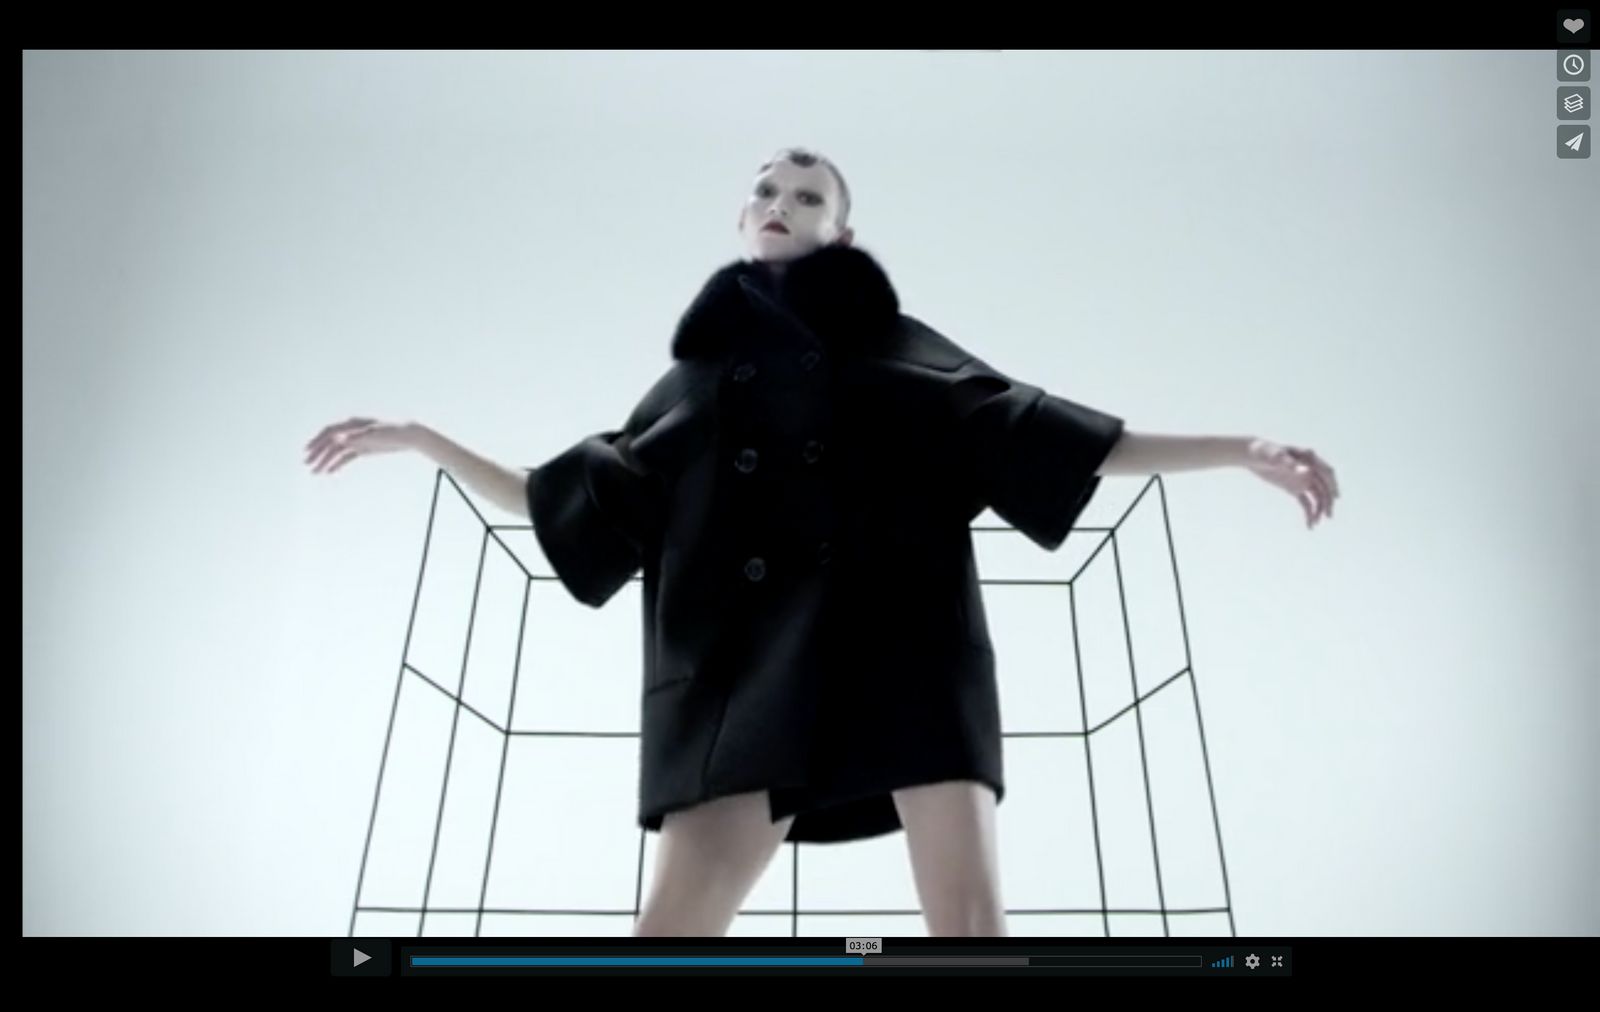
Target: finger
[
  {"x": 1304, "y": 499},
  {"x": 1327, "y": 469},
  {"x": 326, "y": 453},
  {"x": 1325, "y": 472},
  {"x": 333, "y": 431},
  {"x": 321, "y": 463},
  {"x": 1311, "y": 471},
  {"x": 332, "y": 452},
  {"x": 348, "y": 438},
  {"x": 1305, "y": 479},
  {"x": 322, "y": 439},
  {"x": 325, "y": 434},
  {"x": 1324, "y": 492},
  {"x": 352, "y": 446},
  {"x": 344, "y": 459}
]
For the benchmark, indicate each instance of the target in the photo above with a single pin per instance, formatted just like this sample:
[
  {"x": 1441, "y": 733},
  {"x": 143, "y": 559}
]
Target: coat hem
[{"x": 846, "y": 817}]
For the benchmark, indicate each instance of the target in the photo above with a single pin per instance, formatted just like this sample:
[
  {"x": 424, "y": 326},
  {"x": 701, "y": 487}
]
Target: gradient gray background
[{"x": 1375, "y": 254}]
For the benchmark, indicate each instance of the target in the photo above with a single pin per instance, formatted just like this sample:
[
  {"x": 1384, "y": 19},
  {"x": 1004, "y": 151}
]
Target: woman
[{"x": 798, "y": 489}]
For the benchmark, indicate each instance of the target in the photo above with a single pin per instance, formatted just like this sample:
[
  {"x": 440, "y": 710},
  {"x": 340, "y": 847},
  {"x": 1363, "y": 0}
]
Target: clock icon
[{"x": 1573, "y": 65}]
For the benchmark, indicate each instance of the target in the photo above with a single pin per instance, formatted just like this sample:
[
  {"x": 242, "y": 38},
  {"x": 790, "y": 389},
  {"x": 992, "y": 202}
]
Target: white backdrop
[{"x": 1375, "y": 254}]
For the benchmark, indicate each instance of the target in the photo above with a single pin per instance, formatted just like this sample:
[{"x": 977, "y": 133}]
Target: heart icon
[{"x": 1573, "y": 25}]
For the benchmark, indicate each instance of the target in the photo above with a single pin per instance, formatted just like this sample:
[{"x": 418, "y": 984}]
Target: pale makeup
[{"x": 804, "y": 200}]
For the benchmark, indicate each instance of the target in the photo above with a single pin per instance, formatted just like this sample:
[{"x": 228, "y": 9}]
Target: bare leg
[
  {"x": 709, "y": 858},
  {"x": 950, "y": 832}
]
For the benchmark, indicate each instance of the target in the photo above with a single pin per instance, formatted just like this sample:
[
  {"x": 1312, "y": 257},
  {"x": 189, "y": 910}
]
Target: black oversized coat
[{"x": 798, "y": 490}]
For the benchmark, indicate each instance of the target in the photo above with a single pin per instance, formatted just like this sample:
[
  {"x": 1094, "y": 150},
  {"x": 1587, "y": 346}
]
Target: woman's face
[{"x": 791, "y": 211}]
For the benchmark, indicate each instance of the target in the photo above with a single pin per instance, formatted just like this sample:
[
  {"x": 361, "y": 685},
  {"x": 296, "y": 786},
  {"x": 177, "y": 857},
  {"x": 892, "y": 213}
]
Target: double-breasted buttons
[{"x": 746, "y": 459}]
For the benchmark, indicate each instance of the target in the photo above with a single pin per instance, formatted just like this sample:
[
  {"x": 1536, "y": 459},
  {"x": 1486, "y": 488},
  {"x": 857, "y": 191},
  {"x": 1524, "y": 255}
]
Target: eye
[
  {"x": 764, "y": 190},
  {"x": 810, "y": 198}
]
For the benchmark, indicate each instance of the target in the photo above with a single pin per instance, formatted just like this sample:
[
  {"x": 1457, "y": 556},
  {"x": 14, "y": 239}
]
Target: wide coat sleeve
[
  {"x": 597, "y": 508},
  {"x": 594, "y": 511},
  {"x": 1029, "y": 455}
]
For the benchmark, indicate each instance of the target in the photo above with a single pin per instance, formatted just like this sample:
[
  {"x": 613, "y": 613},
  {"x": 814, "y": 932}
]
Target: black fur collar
[{"x": 840, "y": 293}]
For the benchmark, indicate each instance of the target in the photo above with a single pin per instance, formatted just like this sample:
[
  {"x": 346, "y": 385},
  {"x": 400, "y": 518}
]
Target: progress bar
[{"x": 1174, "y": 961}]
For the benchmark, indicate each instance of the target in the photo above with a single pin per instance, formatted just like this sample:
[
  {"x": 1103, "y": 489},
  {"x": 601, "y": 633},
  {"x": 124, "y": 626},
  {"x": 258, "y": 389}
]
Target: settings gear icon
[{"x": 1252, "y": 961}]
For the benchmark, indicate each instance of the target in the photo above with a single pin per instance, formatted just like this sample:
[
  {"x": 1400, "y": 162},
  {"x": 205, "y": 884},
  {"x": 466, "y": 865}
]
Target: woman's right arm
[{"x": 500, "y": 485}]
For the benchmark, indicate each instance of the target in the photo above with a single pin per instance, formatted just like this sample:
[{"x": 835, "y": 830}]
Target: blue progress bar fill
[{"x": 636, "y": 961}]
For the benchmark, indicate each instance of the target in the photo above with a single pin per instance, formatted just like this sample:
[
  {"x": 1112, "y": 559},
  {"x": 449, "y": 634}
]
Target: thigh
[
  {"x": 951, "y": 836},
  {"x": 708, "y": 858},
  {"x": 951, "y": 823}
]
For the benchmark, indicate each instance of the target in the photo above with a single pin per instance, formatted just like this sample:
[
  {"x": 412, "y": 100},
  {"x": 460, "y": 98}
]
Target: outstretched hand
[
  {"x": 1298, "y": 471},
  {"x": 338, "y": 444}
]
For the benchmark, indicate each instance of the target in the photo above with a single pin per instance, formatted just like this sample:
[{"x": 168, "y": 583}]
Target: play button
[{"x": 361, "y": 957}]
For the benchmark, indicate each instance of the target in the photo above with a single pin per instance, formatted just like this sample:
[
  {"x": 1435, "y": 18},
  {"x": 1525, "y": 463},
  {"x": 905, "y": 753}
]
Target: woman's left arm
[{"x": 1296, "y": 470}]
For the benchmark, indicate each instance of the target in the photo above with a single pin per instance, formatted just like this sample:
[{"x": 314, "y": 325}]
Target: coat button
[
  {"x": 746, "y": 461},
  {"x": 809, "y": 360},
  {"x": 824, "y": 553},
  {"x": 812, "y": 451},
  {"x": 755, "y": 569},
  {"x": 744, "y": 372}
]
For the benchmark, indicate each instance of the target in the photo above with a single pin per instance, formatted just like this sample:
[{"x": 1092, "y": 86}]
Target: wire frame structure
[{"x": 506, "y": 791}]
